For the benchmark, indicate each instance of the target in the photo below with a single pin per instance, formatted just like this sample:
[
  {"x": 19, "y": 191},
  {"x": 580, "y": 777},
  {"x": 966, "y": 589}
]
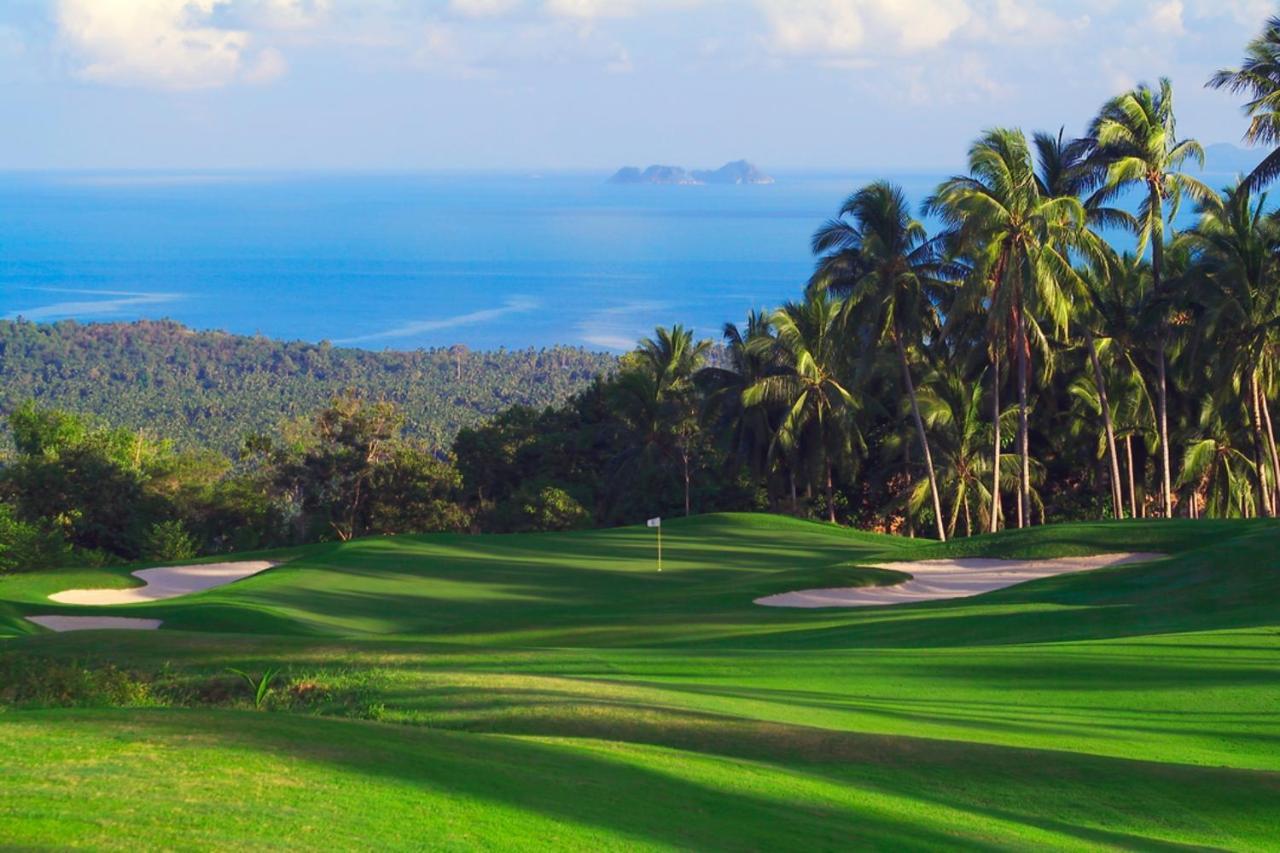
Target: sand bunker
[
  {"x": 937, "y": 579},
  {"x": 94, "y": 623},
  {"x": 166, "y": 582}
]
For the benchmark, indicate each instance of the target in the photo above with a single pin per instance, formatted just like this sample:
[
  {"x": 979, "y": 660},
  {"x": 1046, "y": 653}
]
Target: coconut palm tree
[
  {"x": 881, "y": 260},
  {"x": 747, "y": 431},
  {"x": 1239, "y": 250},
  {"x": 819, "y": 420},
  {"x": 1020, "y": 241},
  {"x": 1258, "y": 78},
  {"x": 657, "y": 401},
  {"x": 1134, "y": 142}
]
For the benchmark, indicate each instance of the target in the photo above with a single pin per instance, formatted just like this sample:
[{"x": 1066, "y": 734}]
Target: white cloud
[
  {"x": 180, "y": 44},
  {"x": 1166, "y": 18},
  {"x": 482, "y": 8},
  {"x": 590, "y": 9},
  {"x": 836, "y": 27}
]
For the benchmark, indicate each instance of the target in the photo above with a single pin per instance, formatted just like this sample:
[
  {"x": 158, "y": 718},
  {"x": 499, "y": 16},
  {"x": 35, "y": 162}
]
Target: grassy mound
[{"x": 556, "y": 690}]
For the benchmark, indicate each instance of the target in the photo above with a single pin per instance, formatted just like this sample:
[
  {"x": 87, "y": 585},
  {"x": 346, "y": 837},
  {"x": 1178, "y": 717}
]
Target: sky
[{"x": 586, "y": 84}]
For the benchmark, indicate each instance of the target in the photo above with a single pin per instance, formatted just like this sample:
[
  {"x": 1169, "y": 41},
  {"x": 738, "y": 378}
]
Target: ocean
[{"x": 406, "y": 261}]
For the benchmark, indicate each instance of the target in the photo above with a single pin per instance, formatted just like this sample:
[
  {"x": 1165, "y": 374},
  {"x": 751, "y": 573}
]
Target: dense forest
[
  {"x": 208, "y": 389},
  {"x": 1008, "y": 368}
]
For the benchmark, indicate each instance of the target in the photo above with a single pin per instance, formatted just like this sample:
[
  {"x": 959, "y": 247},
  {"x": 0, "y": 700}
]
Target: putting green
[{"x": 555, "y": 690}]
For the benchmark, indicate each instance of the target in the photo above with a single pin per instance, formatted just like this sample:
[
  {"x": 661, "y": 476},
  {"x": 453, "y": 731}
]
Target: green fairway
[{"x": 556, "y": 690}]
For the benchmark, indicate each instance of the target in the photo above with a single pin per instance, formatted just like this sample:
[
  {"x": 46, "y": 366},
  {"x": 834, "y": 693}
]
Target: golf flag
[{"x": 654, "y": 522}]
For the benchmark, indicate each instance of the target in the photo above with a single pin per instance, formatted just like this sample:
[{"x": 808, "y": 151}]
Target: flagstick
[{"x": 659, "y": 547}]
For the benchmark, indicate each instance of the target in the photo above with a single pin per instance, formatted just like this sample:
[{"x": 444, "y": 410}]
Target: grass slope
[{"x": 555, "y": 690}]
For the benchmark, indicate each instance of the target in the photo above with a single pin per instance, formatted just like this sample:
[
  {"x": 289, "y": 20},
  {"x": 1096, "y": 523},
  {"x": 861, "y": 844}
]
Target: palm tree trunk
[
  {"x": 1271, "y": 440},
  {"x": 1117, "y": 499},
  {"x": 1162, "y": 394},
  {"x": 795, "y": 499},
  {"x": 968, "y": 519},
  {"x": 1260, "y": 448},
  {"x": 1133, "y": 489},
  {"x": 906, "y": 513},
  {"x": 684, "y": 458},
  {"x": 924, "y": 441},
  {"x": 995, "y": 452},
  {"x": 1024, "y": 494},
  {"x": 831, "y": 499}
]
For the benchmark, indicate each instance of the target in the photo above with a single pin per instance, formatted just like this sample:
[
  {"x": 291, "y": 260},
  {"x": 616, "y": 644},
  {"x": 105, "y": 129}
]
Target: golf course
[{"x": 556, "y": 690}]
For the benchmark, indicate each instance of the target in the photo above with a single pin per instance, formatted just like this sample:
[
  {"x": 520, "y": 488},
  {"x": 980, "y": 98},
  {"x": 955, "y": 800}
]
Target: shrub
[{"x": 168, "y": 540}]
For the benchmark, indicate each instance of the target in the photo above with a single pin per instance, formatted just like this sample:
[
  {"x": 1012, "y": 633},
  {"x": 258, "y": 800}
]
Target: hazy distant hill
[
  {"x": 737, "y": 172},
  {"x": 1227, "y": 159},
  {"x": 210, "y": 388}
]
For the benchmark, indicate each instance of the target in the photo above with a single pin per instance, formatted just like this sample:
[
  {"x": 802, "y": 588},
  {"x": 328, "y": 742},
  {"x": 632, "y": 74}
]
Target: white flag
[{"x": 654, "y": 522}]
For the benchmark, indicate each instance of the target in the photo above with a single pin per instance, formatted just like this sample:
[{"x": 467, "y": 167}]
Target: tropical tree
[
  {"x": 1258, "y": 78},
  {"x": 819, "y": 423},
  {"x": 881, "y": 260},
  {"x": 1239, "y": 249},
  {"x": 660, "y": 402},
  {"x": 1134, "y": 142},
  {"x": 1020, "y": 241}
]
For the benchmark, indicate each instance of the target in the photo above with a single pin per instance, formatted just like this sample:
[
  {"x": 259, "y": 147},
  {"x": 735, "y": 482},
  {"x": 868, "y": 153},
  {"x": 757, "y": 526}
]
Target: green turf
[{"x": 555, "y": 690}]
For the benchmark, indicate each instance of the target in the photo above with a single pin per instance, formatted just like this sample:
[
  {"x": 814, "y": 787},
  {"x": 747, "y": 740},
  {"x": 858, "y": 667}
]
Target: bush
[
  {"x": 553, "y": 508},
  {"x": 36, "y": 682},
  {"x": 168, "y": 540},
  {"x": 29, "y": 546}
]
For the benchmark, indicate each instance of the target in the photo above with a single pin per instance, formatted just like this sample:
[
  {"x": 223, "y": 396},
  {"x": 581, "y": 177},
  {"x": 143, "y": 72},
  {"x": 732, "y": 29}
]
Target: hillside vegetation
[{"x": 210, "y": 389}]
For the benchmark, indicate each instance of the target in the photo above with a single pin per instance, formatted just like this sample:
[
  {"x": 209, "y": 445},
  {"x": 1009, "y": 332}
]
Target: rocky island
[{"x": 737, "y": 172}]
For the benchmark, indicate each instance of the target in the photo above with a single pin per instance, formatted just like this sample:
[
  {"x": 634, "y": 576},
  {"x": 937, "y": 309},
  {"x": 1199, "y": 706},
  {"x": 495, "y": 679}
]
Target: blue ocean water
[{"x": 402, "y": 261}]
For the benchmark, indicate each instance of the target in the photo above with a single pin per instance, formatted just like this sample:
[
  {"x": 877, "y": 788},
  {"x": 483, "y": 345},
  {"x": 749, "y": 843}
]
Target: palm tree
[
  {"x": 1258, "y": 77},
  {"x": 747, "y": 431},
  {"x": 659, "y": 400},
  {"x": 1134, "y": 139},
  {"x": 882, "y": 261},
  {"x": 1239, "y": 248},
  {"x": 1019, "y": 240},
  {"x": 819, "y": 418}
]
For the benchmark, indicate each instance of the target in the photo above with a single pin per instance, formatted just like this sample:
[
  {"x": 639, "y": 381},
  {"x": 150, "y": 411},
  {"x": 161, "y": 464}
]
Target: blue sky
[{"x": 542, "y": 84}]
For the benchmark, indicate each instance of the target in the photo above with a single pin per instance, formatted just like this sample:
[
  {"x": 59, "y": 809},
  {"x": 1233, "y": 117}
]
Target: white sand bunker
[
  {"x": 166, "y": 582},
  {"x": 95, "y": 623},
  {"x": 938, "y": 579}
]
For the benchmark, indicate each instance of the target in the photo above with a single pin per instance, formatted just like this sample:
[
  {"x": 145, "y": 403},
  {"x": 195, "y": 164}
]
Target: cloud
[
  {"x": 842, "y": 27},
  {"x": 482, "y": 8},
  {"x": 1166, "y": 18},
  {"x": 514, "y": 305},
  {"x": 122, "y": 300},
  {"x": 620, "y": 326},
  {"x": 180, "y": 44}
]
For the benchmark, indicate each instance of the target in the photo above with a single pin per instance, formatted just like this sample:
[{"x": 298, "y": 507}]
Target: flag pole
[{"x": 659, "y": 547}]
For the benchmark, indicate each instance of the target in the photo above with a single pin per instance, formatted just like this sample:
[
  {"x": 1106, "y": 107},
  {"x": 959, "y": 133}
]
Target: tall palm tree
[
  {"x": 1134, "y": 139},
  {"x": 746, "y": 430},
  {"x": 1258, "y": 78},
  {"x": 880, "y": 258},
  {"x": 1239, "y": 247},
  {"x": 659, "y": 400},
  {"x": 1019, "y": 240},
  {"x": 819, "y": 420}
]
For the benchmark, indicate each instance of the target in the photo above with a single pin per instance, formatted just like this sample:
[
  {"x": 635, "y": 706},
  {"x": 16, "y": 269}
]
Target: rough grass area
[{"x": 556, "y": 691}]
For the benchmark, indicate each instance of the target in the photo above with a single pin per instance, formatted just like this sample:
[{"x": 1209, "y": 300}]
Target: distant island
[{"x": 737, "y": 172}]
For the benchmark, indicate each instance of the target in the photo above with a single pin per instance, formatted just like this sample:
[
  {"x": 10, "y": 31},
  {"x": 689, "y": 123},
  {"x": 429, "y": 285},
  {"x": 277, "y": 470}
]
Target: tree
[
  {"x": 882, "y": 261},
  {"x": 1258, "y": 77},
  {"x": 659, "y": 401},
  {"x": 1239, "y": 248},
  {"x": 1019, "y": 241},
  {"x": 819, "y": 421},
  {"x": 1134, "y": 140}
]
